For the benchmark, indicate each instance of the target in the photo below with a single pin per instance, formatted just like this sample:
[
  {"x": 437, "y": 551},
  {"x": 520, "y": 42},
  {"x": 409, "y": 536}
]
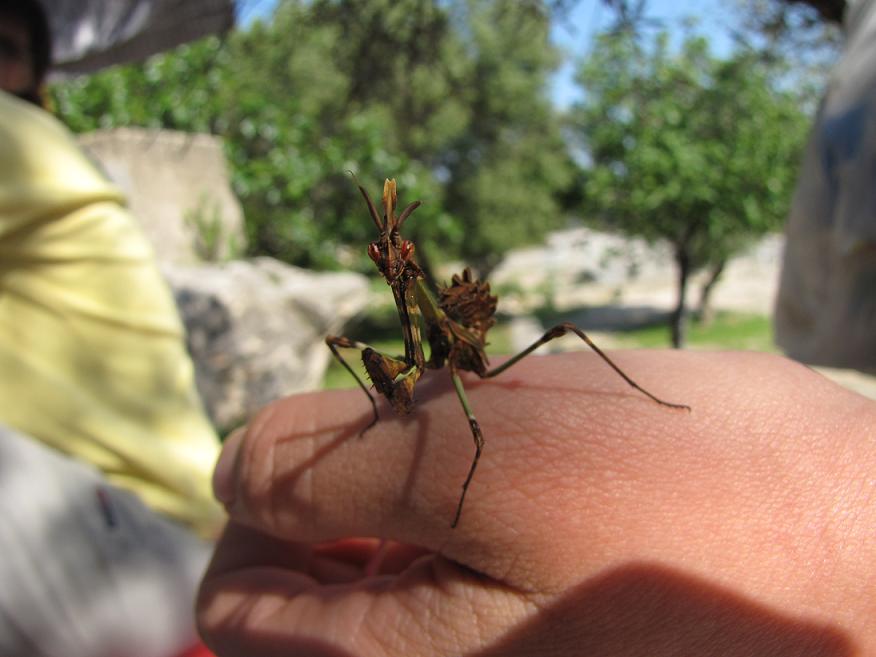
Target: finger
[
  {"x": 337, "y": 562},
  {"x": 259, "y": 608},
  {"x": 302, "y": 472},
  {"x": 245, "y": 548},
  {"x": 363, "y": 557}
]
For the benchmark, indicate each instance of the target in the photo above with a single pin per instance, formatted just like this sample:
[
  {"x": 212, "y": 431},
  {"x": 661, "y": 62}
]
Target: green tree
[
  {"x": 184, "y": 91},
  {"x": 509, "y": 167},
  {"x": 279, "y": 95},
  {"x": 448, "y": 96},
  {"x": 688, "y": 148}
]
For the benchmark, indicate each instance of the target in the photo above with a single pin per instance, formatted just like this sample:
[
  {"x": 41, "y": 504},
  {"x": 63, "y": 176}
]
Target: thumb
[{"x": 301, "y": 470}]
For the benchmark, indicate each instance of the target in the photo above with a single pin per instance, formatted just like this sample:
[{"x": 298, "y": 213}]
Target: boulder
[
  {"x": 178, "y": 188},
  {"x": 256, "y": 329}
]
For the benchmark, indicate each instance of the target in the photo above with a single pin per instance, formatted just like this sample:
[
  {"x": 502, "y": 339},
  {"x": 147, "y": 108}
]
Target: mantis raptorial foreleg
[
  {"x": 393, "y": 377},
  {"x": 333, "y": 343}
]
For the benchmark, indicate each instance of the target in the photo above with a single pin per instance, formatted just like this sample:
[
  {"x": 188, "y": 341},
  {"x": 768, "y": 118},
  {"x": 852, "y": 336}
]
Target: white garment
[{"x": 87, "y": 570}]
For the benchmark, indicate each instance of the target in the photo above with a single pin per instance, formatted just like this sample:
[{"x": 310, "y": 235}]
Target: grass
[{"x": 728, "y": 330}]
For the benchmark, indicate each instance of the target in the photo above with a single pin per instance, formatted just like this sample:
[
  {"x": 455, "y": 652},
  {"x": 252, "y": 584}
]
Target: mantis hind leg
[
  {"x": 333, "y": 343},
  {"x": 478, "y": 441},
  {"x": 567, "y": 327}
]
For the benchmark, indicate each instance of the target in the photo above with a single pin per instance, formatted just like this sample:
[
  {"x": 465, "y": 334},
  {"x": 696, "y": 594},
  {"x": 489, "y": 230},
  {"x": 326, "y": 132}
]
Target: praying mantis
[{"x": 455, "y": 324}]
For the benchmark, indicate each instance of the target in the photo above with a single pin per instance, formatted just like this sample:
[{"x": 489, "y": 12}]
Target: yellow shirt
[{"x": 92, "y": 353}]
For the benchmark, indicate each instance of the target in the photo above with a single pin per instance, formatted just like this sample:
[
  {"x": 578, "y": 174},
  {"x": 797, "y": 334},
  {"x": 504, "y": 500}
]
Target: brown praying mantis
[{"x": 455, "y": 324}]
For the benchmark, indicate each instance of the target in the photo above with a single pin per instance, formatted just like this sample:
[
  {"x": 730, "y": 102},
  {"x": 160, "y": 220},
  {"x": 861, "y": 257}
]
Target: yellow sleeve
[{"x": 92, "y": 353}]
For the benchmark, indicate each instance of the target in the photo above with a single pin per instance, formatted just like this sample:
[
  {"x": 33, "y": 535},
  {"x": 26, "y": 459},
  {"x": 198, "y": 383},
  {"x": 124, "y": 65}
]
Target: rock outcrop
[
  {"x": 177, "y": 186},
  {"x": 256, "y": 329}
]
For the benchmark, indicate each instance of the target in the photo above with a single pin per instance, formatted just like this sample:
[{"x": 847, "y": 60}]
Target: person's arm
[
  {"x": 93, "y": 359},
  {"x": 598, "y": 522}
]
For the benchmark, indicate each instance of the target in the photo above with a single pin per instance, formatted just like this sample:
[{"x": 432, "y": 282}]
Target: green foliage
[
  {"x": 687, "y": 148},
  {"x": 212, "y": 242},
  {"x": 728, "y": 330},
  {"x": 446, "y": 96},
  {"x": 449, "y": 96},
  {"x": 181, "y": 91},
  {"x": 510, "y": 164}
]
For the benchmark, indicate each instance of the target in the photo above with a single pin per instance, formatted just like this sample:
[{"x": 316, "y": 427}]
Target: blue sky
[
  {"x": 574, "y": 35},
  {"x": 589, "y": 17}
]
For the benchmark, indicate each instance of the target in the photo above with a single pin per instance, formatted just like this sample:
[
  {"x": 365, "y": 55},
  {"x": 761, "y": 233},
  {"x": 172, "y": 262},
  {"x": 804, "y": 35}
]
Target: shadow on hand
[
  {"x": 637, "y": 610},
  {"x": 648, "y": 610}
]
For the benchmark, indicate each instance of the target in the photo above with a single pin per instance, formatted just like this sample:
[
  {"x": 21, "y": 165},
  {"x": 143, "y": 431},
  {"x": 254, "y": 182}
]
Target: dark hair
[{"x": 32, "y": 14}]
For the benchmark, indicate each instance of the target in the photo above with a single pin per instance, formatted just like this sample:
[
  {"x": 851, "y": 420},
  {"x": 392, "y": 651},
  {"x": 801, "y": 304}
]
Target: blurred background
[
  {"x": 627, "y": 165},
  {"x": 693, "y": 175}
]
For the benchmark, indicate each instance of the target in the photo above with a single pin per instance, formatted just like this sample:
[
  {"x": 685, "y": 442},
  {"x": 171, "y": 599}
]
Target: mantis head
[{"x": 389, "y": 251}]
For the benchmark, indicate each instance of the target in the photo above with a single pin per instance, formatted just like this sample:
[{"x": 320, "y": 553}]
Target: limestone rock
[
  {"x": 624, "y": 281},
  {"x": 177, "y": 187},
  {"x": 256, "y": 329}
]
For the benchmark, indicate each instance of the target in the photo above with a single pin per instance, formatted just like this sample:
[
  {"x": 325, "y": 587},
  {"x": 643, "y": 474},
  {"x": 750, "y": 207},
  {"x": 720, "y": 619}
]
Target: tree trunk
[
  {"x": 705, "y": 313},
  {"x": 423, "y": 259},
  {"x": 679, "y": 315},
  {"x": 484, "y": 267}
]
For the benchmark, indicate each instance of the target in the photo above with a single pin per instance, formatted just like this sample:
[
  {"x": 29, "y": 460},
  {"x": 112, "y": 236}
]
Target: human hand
[{"x": 598, "y": 522}]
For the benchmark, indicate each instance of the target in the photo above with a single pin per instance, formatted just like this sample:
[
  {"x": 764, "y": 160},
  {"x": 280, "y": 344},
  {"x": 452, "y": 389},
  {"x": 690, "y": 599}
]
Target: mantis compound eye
[
  {"x": 407, "y": 250},
  {"x": 374, "y": 253}
]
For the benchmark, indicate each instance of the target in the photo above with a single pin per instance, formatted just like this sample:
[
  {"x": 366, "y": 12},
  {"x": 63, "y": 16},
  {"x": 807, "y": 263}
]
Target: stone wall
[{"x": 178, "y": 187}]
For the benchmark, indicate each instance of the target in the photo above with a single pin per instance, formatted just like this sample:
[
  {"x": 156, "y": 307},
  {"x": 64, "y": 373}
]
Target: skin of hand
[{"x": 597, "y": 523}]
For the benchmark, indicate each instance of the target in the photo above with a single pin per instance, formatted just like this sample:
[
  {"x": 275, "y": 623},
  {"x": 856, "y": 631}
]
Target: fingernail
[{"x": 224, "y": 476}]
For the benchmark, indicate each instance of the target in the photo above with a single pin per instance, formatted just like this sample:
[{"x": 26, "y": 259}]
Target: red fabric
[{"x": 197, "y": 650}]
